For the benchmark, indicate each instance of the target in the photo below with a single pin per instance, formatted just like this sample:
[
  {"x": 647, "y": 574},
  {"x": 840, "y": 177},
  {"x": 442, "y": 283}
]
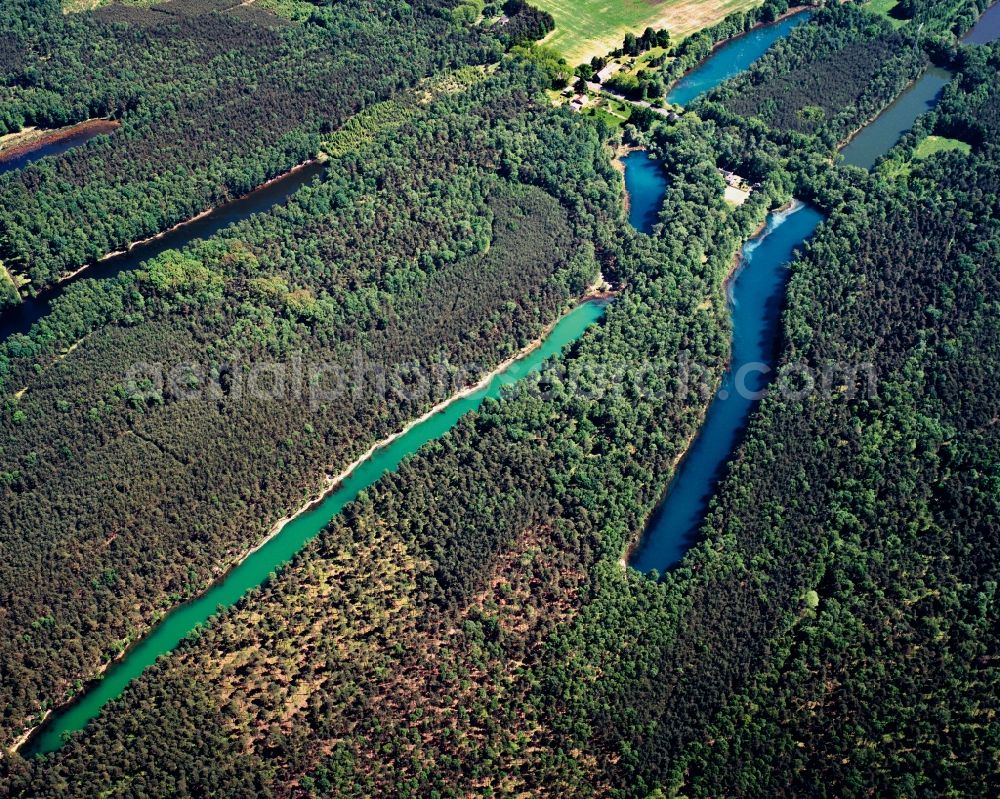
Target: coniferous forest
[
  {"x": 213, "y": 105},
  {"x": 469, "y": 625}
]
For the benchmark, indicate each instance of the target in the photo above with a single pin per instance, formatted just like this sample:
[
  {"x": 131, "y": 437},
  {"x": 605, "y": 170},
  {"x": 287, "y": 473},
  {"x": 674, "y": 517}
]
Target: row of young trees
[
  {"x": 466, "y": 627},
  {"x": 212, "y": 105}
]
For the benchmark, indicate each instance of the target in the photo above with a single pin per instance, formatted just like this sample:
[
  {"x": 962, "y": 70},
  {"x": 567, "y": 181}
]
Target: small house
[{"x": 608, "y": 71}]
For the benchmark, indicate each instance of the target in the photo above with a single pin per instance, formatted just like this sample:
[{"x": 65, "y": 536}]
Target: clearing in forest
[
  {"x": 939, "y": 144},
  {"x": 585, "y": 28}
]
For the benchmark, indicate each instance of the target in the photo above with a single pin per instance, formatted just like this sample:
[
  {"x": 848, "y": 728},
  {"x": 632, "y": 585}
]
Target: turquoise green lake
[{"x": 261, "y": 564}]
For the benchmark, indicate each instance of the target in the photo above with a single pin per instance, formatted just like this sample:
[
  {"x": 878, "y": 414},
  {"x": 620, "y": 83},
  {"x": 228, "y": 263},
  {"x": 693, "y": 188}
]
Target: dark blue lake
[
  {"x": 53, "y": 148},
  {"x": 756, "y": 295},
  {"x": 646, "y": 185},
  {"x": 730, "y": 59},
  {"x": 21, "y": 317},
  {"x": 987, "y": 29},
  {"x": 881, "y": 135}
]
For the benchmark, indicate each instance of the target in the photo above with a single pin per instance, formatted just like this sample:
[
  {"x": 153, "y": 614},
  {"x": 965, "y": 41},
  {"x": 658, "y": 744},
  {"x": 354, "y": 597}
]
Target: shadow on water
[
  {"x": 879, "y": 136},
  {"x": 64, "y": 141},
  {"x": 987, "y": 29},
  {"x": 20, "y": 318},
  {"x": 756, "y": 295}
]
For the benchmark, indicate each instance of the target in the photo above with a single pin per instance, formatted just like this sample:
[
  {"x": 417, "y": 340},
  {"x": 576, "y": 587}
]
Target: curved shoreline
[
  {"x": 789, "y": 207},
  {"x": 33, "y": 139},
  {"x": 618, "y": 156},
  {"x": 761, "y": 233},
  {"x": 633, "y": 544},
  {"x": 723, "y": 42}
]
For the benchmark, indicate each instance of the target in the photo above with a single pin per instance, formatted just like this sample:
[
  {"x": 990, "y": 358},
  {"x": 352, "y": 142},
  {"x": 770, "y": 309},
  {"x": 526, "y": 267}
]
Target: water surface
[
  {"x": 881, "y": 135},
  {"x": 255, "y": 570},
  {"x": 74, "y": 139},
  {"x": 987, "y": 29},
  {"x": 646, "y": 185},
  {"x": 756, "y": 295},
  {"x": 20, "y": 318},
  {"x": 730, "y": 59}
]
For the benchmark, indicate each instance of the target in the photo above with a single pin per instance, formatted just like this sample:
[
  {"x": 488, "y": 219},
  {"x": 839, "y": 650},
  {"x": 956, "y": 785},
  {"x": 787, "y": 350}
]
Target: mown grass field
[
  {"x": 585, "y": 28},
  {"x": 926, "y": 148},
  {"x": 939, "y": 144},
  {"x": 884, "y": 8}
]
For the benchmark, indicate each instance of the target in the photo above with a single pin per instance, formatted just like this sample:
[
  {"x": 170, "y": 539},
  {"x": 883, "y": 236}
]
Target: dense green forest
[
  {"x": 827, "y": 78},
  {"x": 970, "y": 107},
  {"x": 213, "y": 104},
  {"x": 439, "y": 528},
  {"x": 882, "y": 672},
  {"x": 467, "y": 627},
  {"x": 947, "y": 18},
  {"x": 451, "y": 248}
]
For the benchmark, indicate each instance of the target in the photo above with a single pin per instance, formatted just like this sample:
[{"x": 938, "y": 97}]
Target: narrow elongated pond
[
  {"x": 20, "y": 318},
  {"x": 878, "y": 137},
  {"x": 278, "y": 550},
  {"x": 730, "y": 59},
  {"x": 62, "y": 141},
  {"x": 756, "y": 296}
]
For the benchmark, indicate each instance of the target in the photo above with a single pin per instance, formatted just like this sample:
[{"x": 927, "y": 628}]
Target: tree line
[
  {"x": 452, "y": 243},
  {"x": 212, "y": 105},
  {"x": 465, "y": 625}
]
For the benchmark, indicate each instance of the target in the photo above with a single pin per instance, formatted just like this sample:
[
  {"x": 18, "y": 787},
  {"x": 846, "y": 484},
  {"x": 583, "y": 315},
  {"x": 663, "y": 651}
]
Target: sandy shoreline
[
  {"x": 330, "y": 485},
  {"x": 15, "y": 145},
  {"x": 156, "y": 236},
  {"x": 758, "y": 232},
  {"x": 618, "y": 154}
]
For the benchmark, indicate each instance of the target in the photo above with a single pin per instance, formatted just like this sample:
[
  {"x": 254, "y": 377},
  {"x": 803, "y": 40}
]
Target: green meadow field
[
  {"x": 939, "y": 144},
  {"x": 585, "y": 28},
  {"x": 884, "y": 8}
]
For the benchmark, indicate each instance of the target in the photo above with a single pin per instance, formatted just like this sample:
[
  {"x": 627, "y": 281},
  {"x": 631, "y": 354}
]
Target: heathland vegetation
[
  {"x": 466, "y": 627},
  {"x": 453, "y": 244}
]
